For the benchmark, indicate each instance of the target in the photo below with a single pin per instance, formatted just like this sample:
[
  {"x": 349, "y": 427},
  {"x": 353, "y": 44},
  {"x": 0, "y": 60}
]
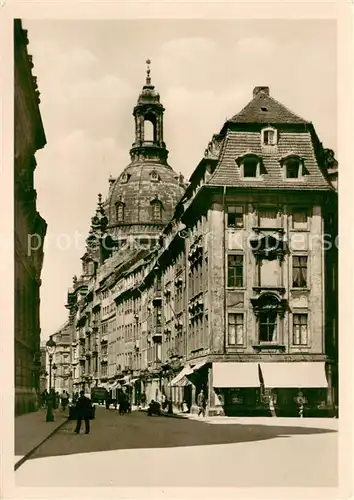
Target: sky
[{"x": 90, "y": 74}]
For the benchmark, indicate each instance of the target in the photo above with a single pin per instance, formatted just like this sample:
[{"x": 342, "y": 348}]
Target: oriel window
[
  {"x": 235, "y": 217},
  {"x": 299, "y": 271},
  {"x": 235, "y": 271}
]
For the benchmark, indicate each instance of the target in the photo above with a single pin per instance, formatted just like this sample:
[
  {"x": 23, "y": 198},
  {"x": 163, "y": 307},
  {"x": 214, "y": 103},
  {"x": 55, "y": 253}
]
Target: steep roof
[
  {"x": 295, "y": 137},
  {"x": 238, "y": 143},
  {"x": 265, "y": 109}
]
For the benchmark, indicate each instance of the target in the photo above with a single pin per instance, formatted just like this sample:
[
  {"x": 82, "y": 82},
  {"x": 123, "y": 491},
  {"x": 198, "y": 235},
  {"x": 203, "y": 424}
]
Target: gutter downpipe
[{"x": 224, "y": 264}]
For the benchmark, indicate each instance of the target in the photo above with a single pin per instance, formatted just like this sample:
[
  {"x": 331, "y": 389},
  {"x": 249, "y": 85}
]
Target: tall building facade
[
  {"x": 30, "y": 227},
  {"x": 237, "y": 295},
  {"x": 62, "y": 362}
]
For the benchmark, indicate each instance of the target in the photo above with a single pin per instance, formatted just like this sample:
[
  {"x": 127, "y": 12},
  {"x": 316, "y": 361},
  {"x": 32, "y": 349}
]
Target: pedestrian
[
  {"x": 44, "y": 398},
  {"x": 83, "y": 412},
  {"x": 64, "y": 400},
  {"x": 121, "y": 401},
  {"x": 201, "y": 402}
]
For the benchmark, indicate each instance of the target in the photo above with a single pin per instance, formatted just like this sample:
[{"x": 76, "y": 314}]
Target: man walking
[
  {"x": 84, "y": 412},
  {"x": 201, "y": 402}
]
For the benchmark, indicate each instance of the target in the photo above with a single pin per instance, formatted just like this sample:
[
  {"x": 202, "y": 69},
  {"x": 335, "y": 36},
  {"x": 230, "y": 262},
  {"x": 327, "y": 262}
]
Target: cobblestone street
[{"x": 136, "y": 450}]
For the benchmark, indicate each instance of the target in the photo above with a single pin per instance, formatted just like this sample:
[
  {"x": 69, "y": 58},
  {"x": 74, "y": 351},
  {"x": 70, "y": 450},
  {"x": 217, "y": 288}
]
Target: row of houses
[{"x": 232, "y": 288}]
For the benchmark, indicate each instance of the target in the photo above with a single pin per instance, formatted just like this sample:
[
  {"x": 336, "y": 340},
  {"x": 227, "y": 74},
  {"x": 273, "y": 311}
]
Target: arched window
[
  {"x": 156, "y": 209},
  {"x": 149, "y": 131},
  {"x": 120, "y": 212},
  {"x": 268, "y": 318}
]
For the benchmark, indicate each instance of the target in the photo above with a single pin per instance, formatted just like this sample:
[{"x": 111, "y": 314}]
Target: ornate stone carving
[{"x": 214, "y": 147}]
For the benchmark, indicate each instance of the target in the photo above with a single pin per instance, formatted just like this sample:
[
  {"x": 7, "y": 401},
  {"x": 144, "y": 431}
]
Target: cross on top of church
[{"x": 148, "y": 78}]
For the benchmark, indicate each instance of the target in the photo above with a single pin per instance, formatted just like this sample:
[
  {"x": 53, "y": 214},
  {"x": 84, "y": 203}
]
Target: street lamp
[
  {"x": 55, "y": 402},
  {"x": 50, "y": 346},
  {"x": 54, "y": 368}
]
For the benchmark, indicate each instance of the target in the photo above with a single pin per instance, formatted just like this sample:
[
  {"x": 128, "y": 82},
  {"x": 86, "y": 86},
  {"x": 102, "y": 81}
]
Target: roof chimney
[{"x": 257, "y": 90}]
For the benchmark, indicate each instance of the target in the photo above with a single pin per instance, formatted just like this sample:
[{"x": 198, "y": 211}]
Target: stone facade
[
  {"x": 240, "y": 292},
  {"x": 62, "y": 376},
  {"x": 30, "y": 228}
]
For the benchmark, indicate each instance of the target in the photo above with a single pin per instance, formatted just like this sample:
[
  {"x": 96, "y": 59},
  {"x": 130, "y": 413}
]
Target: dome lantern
[{"x": 148, "y": 114}]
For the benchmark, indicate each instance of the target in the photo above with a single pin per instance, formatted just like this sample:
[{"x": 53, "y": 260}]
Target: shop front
[{"x": 286, "y": 389}]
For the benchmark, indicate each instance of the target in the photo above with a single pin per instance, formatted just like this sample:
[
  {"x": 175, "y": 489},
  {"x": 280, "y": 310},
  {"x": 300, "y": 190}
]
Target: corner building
[{"x": 239, "y": 295}]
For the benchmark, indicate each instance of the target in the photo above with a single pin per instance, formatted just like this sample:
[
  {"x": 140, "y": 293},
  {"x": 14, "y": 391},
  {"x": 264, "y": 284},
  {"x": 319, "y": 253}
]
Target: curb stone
[{"x": 29, "y": 453}]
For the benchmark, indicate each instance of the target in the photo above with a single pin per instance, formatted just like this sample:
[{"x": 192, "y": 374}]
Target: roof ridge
[{"x": 280, "y": 113}]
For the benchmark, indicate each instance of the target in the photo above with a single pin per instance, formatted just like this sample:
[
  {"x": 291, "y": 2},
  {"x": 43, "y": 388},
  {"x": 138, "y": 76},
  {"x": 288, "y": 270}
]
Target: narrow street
[{"x": 137, "y": 450}]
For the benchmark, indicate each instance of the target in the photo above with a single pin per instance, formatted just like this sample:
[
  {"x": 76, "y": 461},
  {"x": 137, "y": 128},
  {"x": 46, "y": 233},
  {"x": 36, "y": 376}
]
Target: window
[
  {"x": 120, "y": 212},
  {"x": 269, "y": 137},
  {"x": 154, "y": 176},
  {"x": 300, "y": 219},
  {"x": 300, "y": 329},
  {"x": 293, "y": 168},
  {"x": 267, "y": 326},
  {"x": 156, "y": 211},
  {"x": 149, "y": 131},
  {"x": 235, "y": 217},
  {"x": 235, "y": 271},
  {"x": 124, "y": 178},
  {"x": 235, "y": 329},
  {"x": 299, "y": 271},
  {"x": 267, "y": 218},
  {"x": 250, "y": 167}
]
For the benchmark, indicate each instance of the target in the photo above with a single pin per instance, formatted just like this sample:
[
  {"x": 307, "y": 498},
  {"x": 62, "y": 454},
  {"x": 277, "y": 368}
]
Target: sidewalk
[{"x": 31, "y": 430}]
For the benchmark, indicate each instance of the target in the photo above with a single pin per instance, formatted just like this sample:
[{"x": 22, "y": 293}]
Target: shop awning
[
  {"x": 298, "y": 374},
  {"x": 237, "y": 375},
  {"x": 113, "y": 386},
  {"x": 196, "y": 367},
  {"x": 178, "y": 378}
]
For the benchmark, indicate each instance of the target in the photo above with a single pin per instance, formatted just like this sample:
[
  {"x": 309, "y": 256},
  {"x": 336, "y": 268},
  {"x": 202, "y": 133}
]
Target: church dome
[
  {"x": 144, "y": 194},
  {"x": 143, "y": 198}
]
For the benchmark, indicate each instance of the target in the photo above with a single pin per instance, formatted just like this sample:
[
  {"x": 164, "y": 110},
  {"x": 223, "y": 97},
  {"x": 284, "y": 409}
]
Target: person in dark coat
[{"x": 83, "y": 412}]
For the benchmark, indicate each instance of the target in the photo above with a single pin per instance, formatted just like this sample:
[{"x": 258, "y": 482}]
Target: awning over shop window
[
  {"x": 178, "y": 378},
  {"x": 195, "y": 368},
  {"x": 294, "y": 375},
  {"x": 229, "y": 375},
  {"x": 115, "y": 385}
]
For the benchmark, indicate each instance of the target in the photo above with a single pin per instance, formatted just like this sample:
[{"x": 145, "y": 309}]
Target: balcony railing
[
  {"x": 157, "y": 332},
  {"x": 157, "y": 297}
]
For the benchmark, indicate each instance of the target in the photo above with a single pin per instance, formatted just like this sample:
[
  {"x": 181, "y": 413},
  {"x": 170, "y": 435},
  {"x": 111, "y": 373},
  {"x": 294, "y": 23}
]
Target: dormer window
[
  {"x": 293, "y": 167},
  {"x": 154, "y": 176},
  {"x": 156, "y": 211},
  {"x": 120, "y": 212},
  {"x": 251, "y": 166},
  {"x": 269, "y": 137}
]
